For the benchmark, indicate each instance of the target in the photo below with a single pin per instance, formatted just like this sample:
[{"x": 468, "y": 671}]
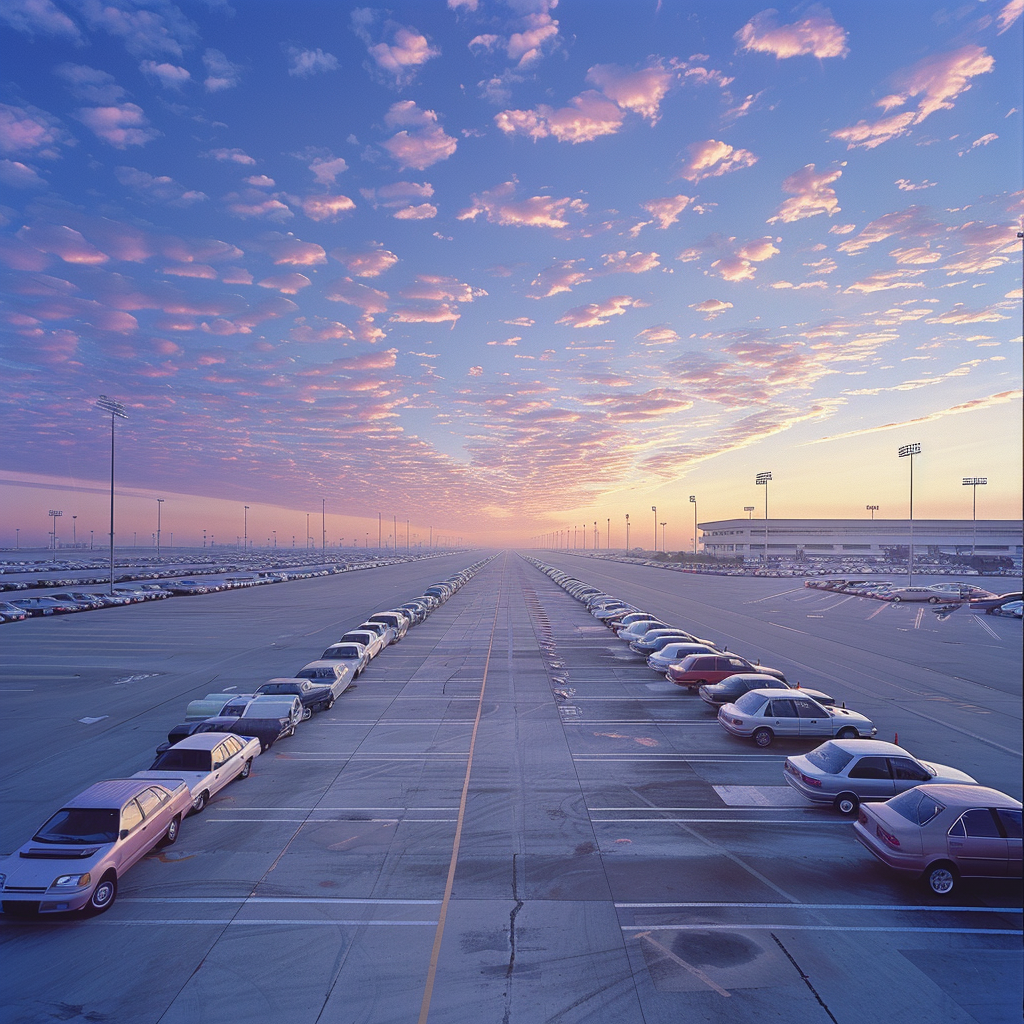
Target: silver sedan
[{"x": 762, "y": 715}]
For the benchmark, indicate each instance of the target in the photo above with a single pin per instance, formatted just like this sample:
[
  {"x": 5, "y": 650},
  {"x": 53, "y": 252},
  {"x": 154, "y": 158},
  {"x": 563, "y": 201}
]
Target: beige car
[{"x": 943, "y": 832}]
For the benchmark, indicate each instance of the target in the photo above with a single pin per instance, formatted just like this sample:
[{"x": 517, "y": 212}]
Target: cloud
[
  {"x": 980, "y": 247},
  {"x": 431, "y": 313},
  {"x": 960, "y": 314},
  {"x": 286, "y": 250},
  {"x": 159, "y": 188},
  {"x": 562, "y": 277},
  {"x": 289, "y": 284},
  {"x": 499, "y": 207},
  {"x": 938, "y": 80},
  {"x": 639, "y": 91},
  {"x": 370, "y": 262},
  {"x": 886, "y": 282},
  {"x": 433, "y": 288},
  {"x": 597, "y": 314},
  {"x": 1009, "y": 14},
  {"x": 30, "y": 130},
  {"x": 143, "y": 31},
  {"x": 122, "y": 125},
  {"x": 305, "y": 63},
  {"x": 402, "y": 56},
  {"x": 237, "y": 156},
  {"x": 666, "y": 211},
  {"x": 713, "y": 307},
  {"x": 817, "y": 35},
  {"x": 711, "y": 159},
  {"x": 369, "y": 300},
  {"x": 422, "y": 142},
  {"x": 89, "y": 84},
  {"x": 220, "y": 72},
  {"x": 539, "y": 32},
  {"x": 170, "y": 76},
  {"x": 810, "y": 194},
  {"x": 661, "y": 335},
  {"x": 43, "y": 16},
  {"x": 983, "y": 141},
  {"x": 326, "y": 208},
  {"x": 587, "y": 117},
  {"x": 252, "y": 203},
  {"x": 326, "y": 169},
  {"x": 905, "y": 185},
  {"x": 629, "y": 263},
  {"x": 400, "y": 196},
  {"x": 19, "y": 175},
  {"x": 913, "y": 222},
  {"x": 733, "y": 263}
]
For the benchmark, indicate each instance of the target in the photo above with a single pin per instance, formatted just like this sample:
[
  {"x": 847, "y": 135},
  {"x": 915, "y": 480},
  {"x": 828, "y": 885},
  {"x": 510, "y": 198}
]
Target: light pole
[
  {"x": 872, "y": 509},
  {"x": 693, "y": 500},
  {"x": 274, "y": 532},
  {"x": 116, "y": 410},
  {"x": 910, "y": 450},
  {"x": 749, "y": 509},
  {"x": 74, "y": 532},
  {"x": 597, "y": 539},
  {"x": 974, "y": 482},
  {"x": 627, "y": 533},
  {"x": 664, "y": 546},
  {"x": 159, "y": 507},
  {"x": 245, "y": 528},
  {"x": 323, "y": 523},
  {"x": 307, "y": 532},
  {"x": 378, "y": 530},
  {"x": 17, "y": 538},
  {"x": 55, "y": 513},
  {"x": 608, "y": 534},
  {"x": 763, "y": 478},
  {"x": 584, "y": 536},
  {"x": 655, "y": 511},
  {"x": 204, "y": 540}
]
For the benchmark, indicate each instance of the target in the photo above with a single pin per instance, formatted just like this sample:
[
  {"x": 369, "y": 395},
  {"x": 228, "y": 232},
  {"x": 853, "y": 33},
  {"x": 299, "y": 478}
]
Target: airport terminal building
[{"x": 870, "y": 538}]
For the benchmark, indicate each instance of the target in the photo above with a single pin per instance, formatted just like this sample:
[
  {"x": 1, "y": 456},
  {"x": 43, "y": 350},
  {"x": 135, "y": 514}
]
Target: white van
[{"x": 916, "y": 594}]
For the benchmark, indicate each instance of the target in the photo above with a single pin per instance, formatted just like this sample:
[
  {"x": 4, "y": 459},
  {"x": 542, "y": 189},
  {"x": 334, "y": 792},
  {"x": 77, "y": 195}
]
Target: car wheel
[
  {"x": 763, "y": 737},
  {"x": 171, "y": 835},
  {"x": 307, "y": 713},
  {"x": 846, "y": 803},
  {"x": 941, "y": 878},
  {"x": 103, "y": 895},
  {"x": 896, "y": 599},
  {"x": 328, "y": 704},
  {"x": 200, "y": 802},
  {"x": 933, "y": 600},
  {"x": 246, "y": 769},
  {"x": 849, "y": 733}
]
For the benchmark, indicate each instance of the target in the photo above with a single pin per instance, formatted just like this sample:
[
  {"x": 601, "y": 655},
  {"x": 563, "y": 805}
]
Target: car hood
[
  {"x": 38, "y": 864},
  {"x": 189, "y": 778},
  {"x": 943, "y": 773}
]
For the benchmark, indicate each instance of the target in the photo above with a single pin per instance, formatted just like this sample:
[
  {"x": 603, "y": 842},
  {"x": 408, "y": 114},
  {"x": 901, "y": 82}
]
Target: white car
[
  {"x": 370, "y": 639},
  {"x": 206, "y": 762},
  {"x": 672, "y": 653},
  {"x": 351, "y": 654}
]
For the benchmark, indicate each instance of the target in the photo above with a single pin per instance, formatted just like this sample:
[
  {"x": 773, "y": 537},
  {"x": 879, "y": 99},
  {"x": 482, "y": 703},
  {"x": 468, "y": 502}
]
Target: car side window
[
  {"x": 234, "y": 744},
  {"x": 782, "y": 709},
  {"x": 149, "y": 801},
  {"x": 905, "y": 768},
  {"x": 220, "y": 755},
  {"x": 870, "y": 768},
  {"x": 1011, "y": 823},
  {"x": 736, "y": 663},
  {"x": 807, "y": 709},
  {"x": 130, "y": 815},
  {"x": 980, "y": 824}
]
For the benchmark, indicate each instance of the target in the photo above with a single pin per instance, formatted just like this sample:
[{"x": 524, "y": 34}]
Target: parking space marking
[
  {"x": 322, "y": 820},
  {"x": 303, "y": 922},
  {"x": 924, "y": 929},
  {"x": 918, "y": 617},
  {"x": 985, "y": 626},
  {"x": 899, "y": 907},
  {"x": 760, "y": 796},
  {"x": 717, "y": 821},
  {"x": 316, "y": 900},
  {"x": 878, "y": 611}
]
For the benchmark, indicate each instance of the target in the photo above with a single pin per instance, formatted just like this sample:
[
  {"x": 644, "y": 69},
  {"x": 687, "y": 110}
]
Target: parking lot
[{"x": 509, "y": 817}]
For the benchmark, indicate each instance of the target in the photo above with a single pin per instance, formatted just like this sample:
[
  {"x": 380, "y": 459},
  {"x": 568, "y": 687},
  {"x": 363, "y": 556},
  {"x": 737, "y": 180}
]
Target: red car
[{"x": 698, "y": 669}]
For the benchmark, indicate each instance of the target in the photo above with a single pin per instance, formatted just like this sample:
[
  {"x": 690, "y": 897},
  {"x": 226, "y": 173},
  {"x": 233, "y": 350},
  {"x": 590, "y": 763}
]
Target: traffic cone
[{"x": 896, "y": 739}]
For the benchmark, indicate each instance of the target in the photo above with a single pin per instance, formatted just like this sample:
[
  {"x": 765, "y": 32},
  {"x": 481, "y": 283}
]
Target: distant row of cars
[
  {"x": 926, "y": 820},
  {"x": 75, "y": 860},
  {"x": 975, "y": 598}
]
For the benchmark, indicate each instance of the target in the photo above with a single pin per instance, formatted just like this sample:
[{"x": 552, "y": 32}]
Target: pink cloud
[
  {"x": 62, "y": 241},
  {"x": 587, "y": 117},
  {"x": 31, "y": 16},
  {"x": 367, "y": 262},
  {"x": 321, "y": 330},
  {"x": 422, "y": 142},
  {"x": 326, "y": 170},
  {"x": 811, "y": 193},
  {"x": 1009, "y": 14},
  {"x": 289, "y": 284},
  {"x": 221, "y": 73},
  {"x": 659, "y": 336},
  {"x": 640, "y": 91},
  {"x": 539, "y": 30},
  {"x": 121, "y": 125},
  {"x": 817, "y": 35},
  {"x": 255, "y": 204},
  {"x": 562, "y": 277},
  {"x": 499, "y": 207},
  {"x": 713, "y": 307},
  {"x": 913, "y": 222},
  {"x": 235, "y": 156},
  {"x": 432, "y": 313},
  {"x": 328, "y": 208},
  {"x": 236, "y": 275},
  {"x": 369, "y": 300},
  {"x": 886, "y": 282},
  {"x": 197, "y": 270},
  {"x": 433, "y": 288},
  {"x": 19, "y": 255},
  {"x": 170, "y": 76},
  {"x": 666, "y": 211},
  {"x": 18, "y": 175},
  {"x": 157, "y": 187},
  {"x": 597, "y": 314},
  {"x": 629, "y": 263},
  {"x": 28, "y": 130},
  {"x": 286, "y": 250},
  {"x": 399, "y": 58},
  {"x": 711, "y": 159}
]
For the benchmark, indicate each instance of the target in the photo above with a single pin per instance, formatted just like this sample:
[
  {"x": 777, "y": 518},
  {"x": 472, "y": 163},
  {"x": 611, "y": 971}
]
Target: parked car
[
  {"x": 898, "y": 594},
  {"x": 943, "y": 832},
  {"x": 734, "y": 686},
  {"x": 316, "y": 692},
  {"x": 844, "y": 772},
  {"x": 206, "y": 763},
  {"x": 370, "y": 639},
  {"x": 762, "y": 715},
  {"x": 11, "y": 612},
  {"x": 387, "y": 633},
  {"x": 208, "y": 706},
  {"x": 990, "y": 604},
  {"x": 673, "y": 653},
  {"x": 1012, "y": 609},
  {"x": 398, "y": 621},
  {"x": 656, "y": 639},
  {"x": 268, "y": 718},
  {"x": 354, "y": 655},
  {"x": 76, "y": 859},
  {"x": 697, "y": 670},
  {"x": 40, "y": 606},
  {"x": 180, "y": 732}
]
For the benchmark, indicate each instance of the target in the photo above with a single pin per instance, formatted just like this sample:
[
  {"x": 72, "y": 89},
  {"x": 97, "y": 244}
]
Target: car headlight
[{"x": 71, "y": 880}]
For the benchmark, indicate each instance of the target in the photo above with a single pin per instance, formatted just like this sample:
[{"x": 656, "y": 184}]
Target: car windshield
[
  {"x": 183, "y": 760},
  {"x": 750, "y": 702},
  {"x": 915, "y": 806},
  {"x": 830, "y": 758},
  {"x": 271, "y": 688},
  {"x": 80, "y": 825}
]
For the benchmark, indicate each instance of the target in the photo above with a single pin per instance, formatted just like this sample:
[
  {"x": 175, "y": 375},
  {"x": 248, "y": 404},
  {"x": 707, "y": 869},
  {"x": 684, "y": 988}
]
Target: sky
[{"x": 500, "y": 268}]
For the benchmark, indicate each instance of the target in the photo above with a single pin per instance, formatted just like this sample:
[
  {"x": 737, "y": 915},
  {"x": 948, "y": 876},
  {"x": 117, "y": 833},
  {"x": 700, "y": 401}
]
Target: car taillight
[
  {"x": 886, "y": 837},
  {"x": 809, "y": 780}
]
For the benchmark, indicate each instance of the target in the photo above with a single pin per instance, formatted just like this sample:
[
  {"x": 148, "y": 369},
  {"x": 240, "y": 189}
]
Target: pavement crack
[{"x": 807, "y": 981}]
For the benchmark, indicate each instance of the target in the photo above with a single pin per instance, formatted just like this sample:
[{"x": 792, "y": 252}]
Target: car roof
[
  {"x": 110, "y": 793},
  {"x": 968, "y": 796},
  {"x": 199, "y": 741},
  {"x": 782, "y": 694},
  {"x": 869, "y": 747}
]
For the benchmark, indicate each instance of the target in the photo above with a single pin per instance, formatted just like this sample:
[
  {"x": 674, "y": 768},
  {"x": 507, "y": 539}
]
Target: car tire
[
  {"x": 896, "y": 599},
  {"x": 933, "y": 600},
  {"x": 849, "y": 733},
  {"x": 173, "y": 828},
  {"x": 763, "y": 737},
  {"x": 941, "y": 878},
  {"x": 103, "y": 895},
  {"x": 327, "y": 705},
  {"x": 846, "y": 804},
  {"x": 246, "y": 769},
  {"x": 307, "y": 713},
  {"x": 200, "y": 802}
]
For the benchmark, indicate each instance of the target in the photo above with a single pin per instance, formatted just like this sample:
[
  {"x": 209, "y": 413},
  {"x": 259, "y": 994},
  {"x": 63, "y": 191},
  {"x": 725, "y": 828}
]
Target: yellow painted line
[{"x": 439, "y": 933}]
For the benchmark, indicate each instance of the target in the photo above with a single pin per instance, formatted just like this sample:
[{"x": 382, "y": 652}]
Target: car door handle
[{"x": 954, "y": 845}]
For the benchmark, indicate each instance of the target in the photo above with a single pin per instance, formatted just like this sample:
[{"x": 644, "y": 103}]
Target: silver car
[
  {"x": 75, "y": 860},
  {"x": 844, "y": 772},
  {"x": 206, "y": 762},
  {"x": 762, "y": 715}
]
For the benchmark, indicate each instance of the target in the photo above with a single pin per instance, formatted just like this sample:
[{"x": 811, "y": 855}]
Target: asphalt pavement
[{"x": 508, "y": 818}]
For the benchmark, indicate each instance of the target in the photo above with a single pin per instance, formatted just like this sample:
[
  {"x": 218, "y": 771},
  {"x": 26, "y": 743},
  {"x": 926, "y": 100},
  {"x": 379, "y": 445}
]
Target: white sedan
[{"x": 206, "y": 762}]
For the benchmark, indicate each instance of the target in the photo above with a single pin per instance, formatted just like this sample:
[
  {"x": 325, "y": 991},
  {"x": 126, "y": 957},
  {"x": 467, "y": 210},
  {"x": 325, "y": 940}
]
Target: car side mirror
[{"x": 123, "y": 834}]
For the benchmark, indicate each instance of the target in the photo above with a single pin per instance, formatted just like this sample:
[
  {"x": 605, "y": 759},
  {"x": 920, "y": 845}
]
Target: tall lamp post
[
  {"x": 323, "y": 523},
  {"x": 55, "y": 513},
  {"x": 159, "y": 506},
  {"x": 608, "y": 534},
  {"x": 975, "y": 482},
  {"x": 909, "y": 451},
  {"x": 245, "y": 528},
  {"x": 693, "y": 501},
  {"x": 597, "y": 539},
  {"x": 116, "y": 410},
  {"x": 664, "y": 547},
  {"x": 74, "y": 532},
  {"x": 872, "y": 509},
  {"x": 654, "y": 509},
  {"x": 627, "y": 533},
  {"x": 762, "y": 479}
]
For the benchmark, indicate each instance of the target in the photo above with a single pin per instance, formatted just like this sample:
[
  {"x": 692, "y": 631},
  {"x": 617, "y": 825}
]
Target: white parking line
[
  {"x": 297, "y": 921},
  {"x": 985, "y": 626},
  {"x": 720, "y": 821},
  {"x": 815, "y": 906},
  {"x": 918, "y": 617},
  {"x": 311, "y": 821},
  {"x": 816, "y": 928}
]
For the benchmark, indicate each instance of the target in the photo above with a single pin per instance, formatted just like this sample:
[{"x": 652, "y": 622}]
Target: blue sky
[{"x": 500, "y": 267}]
